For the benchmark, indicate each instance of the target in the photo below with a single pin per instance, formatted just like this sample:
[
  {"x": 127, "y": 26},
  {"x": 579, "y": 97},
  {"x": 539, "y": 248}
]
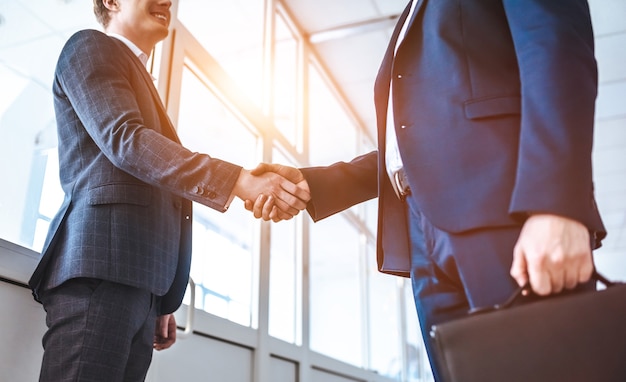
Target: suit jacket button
[
  {"x": 197, "y": 190},
  {"x": 212, "y": 195}
]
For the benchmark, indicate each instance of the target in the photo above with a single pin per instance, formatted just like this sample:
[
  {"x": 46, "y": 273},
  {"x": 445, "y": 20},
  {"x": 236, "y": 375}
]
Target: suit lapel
[
  {"x": 385, "y": 67},
  {"x": 168, "y": 127},
  {"x": 383, "y": 78},
  {"x": 418, "y": 9}
]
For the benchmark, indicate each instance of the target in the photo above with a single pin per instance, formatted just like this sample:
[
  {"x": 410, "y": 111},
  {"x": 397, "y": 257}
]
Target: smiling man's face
[{"x": 144, "y": 22}]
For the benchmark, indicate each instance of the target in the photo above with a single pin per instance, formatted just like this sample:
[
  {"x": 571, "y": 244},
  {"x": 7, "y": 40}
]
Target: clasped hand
[
  {"x": 552, "y": 253},
  {"x": 272, "y": 191},
  {"x": 268, "y": 206}
]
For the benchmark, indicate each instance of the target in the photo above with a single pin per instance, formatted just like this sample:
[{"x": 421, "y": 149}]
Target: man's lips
[{"x": 161, "y": 16}]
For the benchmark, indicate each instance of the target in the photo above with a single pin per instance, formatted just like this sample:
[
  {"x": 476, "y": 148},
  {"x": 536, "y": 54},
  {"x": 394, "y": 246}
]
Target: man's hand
[
  {"x": 264, "y": 205},
  {"x": 553, "y": 253},
  {"x": 287, "y": 195},
  {"x": 164, "y": 332}
]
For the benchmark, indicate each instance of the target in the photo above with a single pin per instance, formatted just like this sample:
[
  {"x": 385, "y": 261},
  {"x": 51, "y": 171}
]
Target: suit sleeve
[
  {"x": 555, "y": 51},
  {"x": 96, "y": 79},
  {"x": 341, "y": 185}
]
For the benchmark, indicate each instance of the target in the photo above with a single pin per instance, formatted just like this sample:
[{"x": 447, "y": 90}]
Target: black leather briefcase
[{"x": 569, "y": 338}]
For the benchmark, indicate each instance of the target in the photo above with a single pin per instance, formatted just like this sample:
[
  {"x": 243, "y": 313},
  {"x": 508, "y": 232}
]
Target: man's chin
[{"x": 162, "y": 35}]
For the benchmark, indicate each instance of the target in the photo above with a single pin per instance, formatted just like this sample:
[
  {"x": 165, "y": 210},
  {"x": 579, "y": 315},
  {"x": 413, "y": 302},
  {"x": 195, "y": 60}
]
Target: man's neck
[
  {"x": 146, "y": 48},
  {"x": 143, "y": 57}
]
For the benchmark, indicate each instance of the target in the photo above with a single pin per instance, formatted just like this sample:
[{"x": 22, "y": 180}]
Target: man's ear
[{"x": 111, "y": 5}]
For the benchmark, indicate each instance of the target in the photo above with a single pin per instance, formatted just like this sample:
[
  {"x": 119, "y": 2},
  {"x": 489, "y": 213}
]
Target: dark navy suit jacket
[
  {"x": 494, "y": 111},
  {"x": 128, "y": 182}
]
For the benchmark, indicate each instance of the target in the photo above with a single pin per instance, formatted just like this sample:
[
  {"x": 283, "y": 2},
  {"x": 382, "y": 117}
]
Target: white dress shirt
[
  {"x": 134, "y": 48},
  {"x": 393, "y": 161}
]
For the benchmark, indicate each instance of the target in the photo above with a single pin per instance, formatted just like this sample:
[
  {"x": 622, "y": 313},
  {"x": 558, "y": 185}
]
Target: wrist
[{"x": 240, "y": 185}]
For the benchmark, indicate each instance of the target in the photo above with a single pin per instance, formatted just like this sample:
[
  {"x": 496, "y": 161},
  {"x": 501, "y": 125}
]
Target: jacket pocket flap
[
  {"x": 492, "y": 107},
  {"x": 120, "y": 193}
]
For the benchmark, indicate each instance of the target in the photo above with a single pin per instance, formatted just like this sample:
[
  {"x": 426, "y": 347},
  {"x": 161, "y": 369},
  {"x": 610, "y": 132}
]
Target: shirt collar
[{"x": 134, "y": 48}]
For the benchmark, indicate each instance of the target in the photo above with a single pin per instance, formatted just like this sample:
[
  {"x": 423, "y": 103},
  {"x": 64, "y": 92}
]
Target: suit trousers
[
  {"x": 452, "y": 273},
  {"x": 97, "y": 331}
]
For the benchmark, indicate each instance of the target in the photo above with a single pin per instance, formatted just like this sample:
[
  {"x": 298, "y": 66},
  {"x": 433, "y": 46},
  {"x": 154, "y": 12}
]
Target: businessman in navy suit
[
  {"x": 116, "y": 260},
  {"x": 485, "y": 112}
]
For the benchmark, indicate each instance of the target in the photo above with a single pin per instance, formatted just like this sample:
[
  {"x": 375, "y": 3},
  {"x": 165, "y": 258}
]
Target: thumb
[
  {"x": 161, "y": 327},
  {"x": 519, "y": 268},
  {"x": 261, "y": 168}
]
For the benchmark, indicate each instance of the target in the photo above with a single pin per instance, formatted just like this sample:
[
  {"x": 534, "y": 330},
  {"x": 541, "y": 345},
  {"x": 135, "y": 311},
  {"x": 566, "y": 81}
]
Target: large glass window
[
  {"x": 384, "y": 319},
  {"x": 232, "y": 31},
  {"x": 285, "y": 275},
  {"x": 31, "y": 38},
  {"x": 337, "y": 329},
  {"x": 223, "y": 249},
  {"x": 51, "y": 196},
  {"x": 340, "y": 325},
  {"x": 285, "y": 81},
  {"x": 285, "y": 283},
  {"x": 332, "y": 135}
]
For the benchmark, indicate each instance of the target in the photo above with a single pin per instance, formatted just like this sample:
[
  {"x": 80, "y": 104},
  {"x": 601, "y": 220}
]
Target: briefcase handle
[{"x": 526, "y": 290}]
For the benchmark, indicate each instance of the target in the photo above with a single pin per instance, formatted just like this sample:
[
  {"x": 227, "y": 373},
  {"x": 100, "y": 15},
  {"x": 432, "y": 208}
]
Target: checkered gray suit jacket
[{"x": 128, "y": 182}]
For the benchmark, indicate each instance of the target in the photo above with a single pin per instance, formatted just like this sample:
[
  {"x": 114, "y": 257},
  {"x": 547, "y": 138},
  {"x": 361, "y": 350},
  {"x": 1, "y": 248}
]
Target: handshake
[{"x": 273, "y": 191}]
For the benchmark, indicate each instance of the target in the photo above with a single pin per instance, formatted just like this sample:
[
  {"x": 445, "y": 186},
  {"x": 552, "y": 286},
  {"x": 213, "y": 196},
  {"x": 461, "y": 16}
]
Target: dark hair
[{"x": 101, "y": 12}]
